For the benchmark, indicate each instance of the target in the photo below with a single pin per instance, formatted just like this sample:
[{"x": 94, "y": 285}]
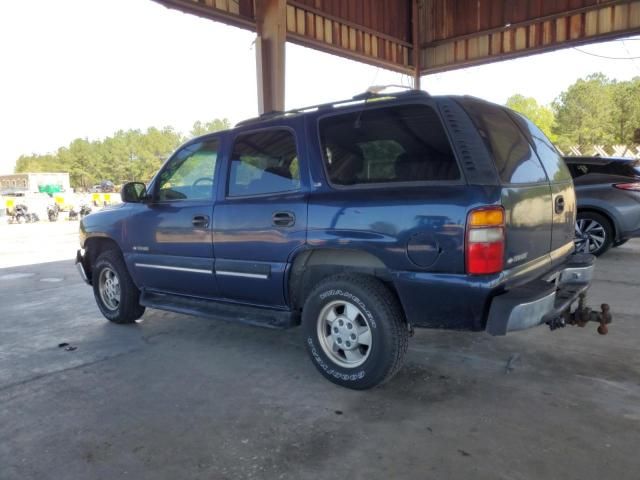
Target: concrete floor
[{"x": 177, "y": 397}]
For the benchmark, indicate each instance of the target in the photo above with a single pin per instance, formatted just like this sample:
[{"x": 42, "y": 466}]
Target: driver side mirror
[{"x": 133, "y": 192}]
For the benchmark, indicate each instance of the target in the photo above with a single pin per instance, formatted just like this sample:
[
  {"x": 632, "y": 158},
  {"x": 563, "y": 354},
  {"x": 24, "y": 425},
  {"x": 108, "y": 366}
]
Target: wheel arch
[
  {"x": 94, "y": 245},
  {"x": 311, "y": 266}
]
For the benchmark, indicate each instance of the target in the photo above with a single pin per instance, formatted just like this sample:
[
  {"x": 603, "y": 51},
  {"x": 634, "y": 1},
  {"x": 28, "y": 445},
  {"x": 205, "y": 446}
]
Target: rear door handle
[
  {"x": 200, "y": 221},
  {"x": 283, "y": 219},
  {"x": 559, "y": 204}
]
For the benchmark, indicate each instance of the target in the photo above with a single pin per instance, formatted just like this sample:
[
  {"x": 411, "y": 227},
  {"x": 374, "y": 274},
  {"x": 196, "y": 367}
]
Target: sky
[{"x": 87, "y": 68}]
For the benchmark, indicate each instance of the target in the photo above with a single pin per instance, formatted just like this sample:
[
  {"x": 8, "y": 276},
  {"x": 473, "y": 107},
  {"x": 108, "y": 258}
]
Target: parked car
[
  {"x": 106, "y": 186},
  {"x": 608, "y": 195},
  {"x": 358, "y": 220}
]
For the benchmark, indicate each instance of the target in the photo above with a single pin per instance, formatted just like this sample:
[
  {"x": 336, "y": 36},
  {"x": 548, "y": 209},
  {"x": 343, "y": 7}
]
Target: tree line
[
  {"x": 594, "y": 110},
  {"x": 127, "y": 155}
]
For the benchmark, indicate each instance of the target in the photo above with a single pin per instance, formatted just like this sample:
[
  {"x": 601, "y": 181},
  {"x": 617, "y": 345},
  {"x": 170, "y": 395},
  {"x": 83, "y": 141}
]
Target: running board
[{"x": 231, "y": 312}]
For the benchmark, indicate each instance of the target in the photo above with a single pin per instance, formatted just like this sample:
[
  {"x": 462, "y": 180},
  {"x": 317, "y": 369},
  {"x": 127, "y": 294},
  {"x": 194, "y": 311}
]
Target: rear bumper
[
  {"x": 630, "y": 234},
  {"x": 543, "y": 300}
]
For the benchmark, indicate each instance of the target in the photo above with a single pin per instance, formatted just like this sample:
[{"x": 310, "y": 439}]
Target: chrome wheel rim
[
  {"x": 590, "y": 235},
  {"x": 344, "y": 334},
  {"x": 109, "y": 288}
]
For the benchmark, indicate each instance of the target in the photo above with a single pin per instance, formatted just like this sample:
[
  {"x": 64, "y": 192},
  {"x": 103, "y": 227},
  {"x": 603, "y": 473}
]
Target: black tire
[
  {"x": 620, "y": 242},
  {"x": 587, "y": 242},
  {"x": 378, "y": 311},
  {"x": 128, "y": 308}
]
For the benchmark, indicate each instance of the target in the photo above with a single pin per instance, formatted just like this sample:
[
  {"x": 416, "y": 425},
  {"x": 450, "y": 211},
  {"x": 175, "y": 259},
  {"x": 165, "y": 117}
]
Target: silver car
[{"x": 608, "y": 194}]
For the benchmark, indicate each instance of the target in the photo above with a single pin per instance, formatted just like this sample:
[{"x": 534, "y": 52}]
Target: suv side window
[
  {"x": 386, "y": 145},
  {"x": 264, "y": 162},
  {"x": 514, "y": 157},
  {"x": 189, "y": 175}
]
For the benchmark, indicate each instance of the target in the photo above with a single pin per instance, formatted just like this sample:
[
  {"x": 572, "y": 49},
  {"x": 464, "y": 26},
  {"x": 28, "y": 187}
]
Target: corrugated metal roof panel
[
  {"x": 451, "y": 33},
  {"x": 460, "y": 33}
]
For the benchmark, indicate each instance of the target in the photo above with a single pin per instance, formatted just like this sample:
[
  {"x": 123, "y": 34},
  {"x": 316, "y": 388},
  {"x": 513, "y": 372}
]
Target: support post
[
  {"x": 271, "y": 28},
  {"x": 415, "y": 20}
]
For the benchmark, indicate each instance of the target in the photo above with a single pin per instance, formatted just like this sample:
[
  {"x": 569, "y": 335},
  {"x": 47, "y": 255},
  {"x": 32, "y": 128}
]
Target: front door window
[{"x": 189, "y": 175}]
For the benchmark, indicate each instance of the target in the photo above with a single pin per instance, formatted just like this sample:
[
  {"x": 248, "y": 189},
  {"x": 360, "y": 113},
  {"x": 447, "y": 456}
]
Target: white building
[{"x": 34, "y": 182}]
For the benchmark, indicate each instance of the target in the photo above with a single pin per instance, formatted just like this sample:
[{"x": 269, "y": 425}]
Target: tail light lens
[
  {"x": 634, "y": 186},
  {"x": 485, "y": 241}
]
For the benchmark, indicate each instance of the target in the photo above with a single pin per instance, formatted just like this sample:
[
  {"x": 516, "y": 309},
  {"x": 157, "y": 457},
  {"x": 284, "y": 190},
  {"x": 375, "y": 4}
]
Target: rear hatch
[{"x": 537, "y": 190}]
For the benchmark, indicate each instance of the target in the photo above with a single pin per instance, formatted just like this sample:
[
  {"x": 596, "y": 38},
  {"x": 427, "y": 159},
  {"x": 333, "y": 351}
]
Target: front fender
[{"x": 108, "y": 224}]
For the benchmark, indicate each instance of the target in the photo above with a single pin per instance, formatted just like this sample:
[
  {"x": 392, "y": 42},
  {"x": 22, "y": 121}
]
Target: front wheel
[
  {"x": 355, "y": 331},
  {"x": 115, "y": 293}
]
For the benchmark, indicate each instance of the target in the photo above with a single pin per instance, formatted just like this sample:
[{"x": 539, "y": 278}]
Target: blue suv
[{"x": 358, "y": 220}]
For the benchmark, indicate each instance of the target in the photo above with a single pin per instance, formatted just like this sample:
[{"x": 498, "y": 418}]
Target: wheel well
[
  {"x": 95, "y": 246},
  {"x": 606, "y": 215},
  {"x": 312, "y": 266}
]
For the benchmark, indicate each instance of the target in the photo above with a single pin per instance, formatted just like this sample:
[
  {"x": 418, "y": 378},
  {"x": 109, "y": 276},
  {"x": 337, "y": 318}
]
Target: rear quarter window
[
  {"x": 551, "y": 159},
  {"x": 513, "y": 155},
  {"x": 577, "y": 169},
  {"x": 387, "y": 145}
]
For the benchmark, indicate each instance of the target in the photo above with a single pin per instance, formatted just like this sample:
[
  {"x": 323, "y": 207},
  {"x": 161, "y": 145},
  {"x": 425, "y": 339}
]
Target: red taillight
[
  {"x": 485, "y": 241},
  {"x": 634, "y": 186}
]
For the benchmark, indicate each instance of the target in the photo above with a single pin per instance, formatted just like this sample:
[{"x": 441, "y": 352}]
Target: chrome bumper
[
  {"x": 80, "y": 266},
  {"x": 576, "y": 275},
  {"x": 541, "y": 301}
]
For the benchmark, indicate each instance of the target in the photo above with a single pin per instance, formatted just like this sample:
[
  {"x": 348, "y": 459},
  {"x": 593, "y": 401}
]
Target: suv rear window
[
  {"x": 387, "y": 145},
  {"x": 623, "y": 168},
  {"x": 514, "y": 157}
]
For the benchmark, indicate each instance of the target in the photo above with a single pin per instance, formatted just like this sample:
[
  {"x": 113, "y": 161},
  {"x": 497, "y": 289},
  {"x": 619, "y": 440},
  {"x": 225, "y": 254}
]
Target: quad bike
[
  {"x": 20, "y": 214},
  {"x": 52, "y": 212},
  {"x": 83, "y": 212}
]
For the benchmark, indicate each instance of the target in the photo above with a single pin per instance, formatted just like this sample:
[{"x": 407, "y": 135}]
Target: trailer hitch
[{"x": 583, "y": 315}]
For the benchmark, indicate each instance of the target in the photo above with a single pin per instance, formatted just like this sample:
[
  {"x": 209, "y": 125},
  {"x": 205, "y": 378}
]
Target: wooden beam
[{"x": 271, "y": 27}]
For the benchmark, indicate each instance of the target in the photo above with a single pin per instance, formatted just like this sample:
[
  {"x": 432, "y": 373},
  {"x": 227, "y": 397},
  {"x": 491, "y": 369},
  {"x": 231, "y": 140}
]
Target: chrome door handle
[
  {"x": 283, "y": 219},
  {"x": 201, "y": 221}
]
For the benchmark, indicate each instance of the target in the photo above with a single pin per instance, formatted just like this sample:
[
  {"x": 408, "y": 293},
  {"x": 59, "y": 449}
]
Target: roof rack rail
[
  {"x": 263, "y": 116},
  {"x": 370, "y": 93}
]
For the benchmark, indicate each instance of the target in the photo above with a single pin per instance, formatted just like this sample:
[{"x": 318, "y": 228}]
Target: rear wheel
[
  {"x": 115, "y": 293},
  {"x": 594, "y": 233},
  {"x": 355, "y": 331}
]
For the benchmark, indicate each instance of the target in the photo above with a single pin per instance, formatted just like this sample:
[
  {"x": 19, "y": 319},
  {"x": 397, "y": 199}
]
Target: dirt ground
[{"x": 178, "y": 397}]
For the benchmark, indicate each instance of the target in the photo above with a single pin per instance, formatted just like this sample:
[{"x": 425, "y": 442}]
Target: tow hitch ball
[{"x": 583, "y": 315}]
